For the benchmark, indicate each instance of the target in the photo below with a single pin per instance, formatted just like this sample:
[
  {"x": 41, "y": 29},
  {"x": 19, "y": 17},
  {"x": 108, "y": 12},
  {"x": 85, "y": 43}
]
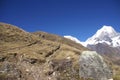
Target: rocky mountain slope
[
  {"x": 42, "y": 56},
  {"x": 106, "y": 41}
]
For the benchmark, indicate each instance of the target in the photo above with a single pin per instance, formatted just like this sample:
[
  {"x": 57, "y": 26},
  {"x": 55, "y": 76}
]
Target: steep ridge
[
  {"x": 10, "y": 33},
  {"x": 37, "y": 56},
  {"x": 59, "y": 39},
  {"x": 12, "y": 37}
]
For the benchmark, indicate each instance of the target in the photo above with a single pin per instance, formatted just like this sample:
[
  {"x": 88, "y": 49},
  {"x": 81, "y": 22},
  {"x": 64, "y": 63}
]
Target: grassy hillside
[
  {"x": 30, "y": 56},
  {"x": 39, "y": 56}
]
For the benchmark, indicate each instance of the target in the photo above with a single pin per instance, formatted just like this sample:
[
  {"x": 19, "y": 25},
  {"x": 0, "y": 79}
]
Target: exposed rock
[
  {"x": 52, "y": 51},
  {"x": 62, "y": 70},
  {"x": 92, "y": 65},
  {"x": 9, "y": 71},
  {"x": 2, "y": 58}
]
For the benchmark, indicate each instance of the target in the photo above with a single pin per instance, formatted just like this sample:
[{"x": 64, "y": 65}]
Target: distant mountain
[
  {"x": 72, "y": 38},
  {"x": 105, "y": 41},
  {"x": 75, "y": 40},
  {"x": 106, "y": 35}
]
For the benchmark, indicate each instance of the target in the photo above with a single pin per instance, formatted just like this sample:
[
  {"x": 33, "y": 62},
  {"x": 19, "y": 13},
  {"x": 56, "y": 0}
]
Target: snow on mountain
[
  {"x": 106, "y": 31},
  {"x": 105, "y": 35},
  {"x": 75, "y": 40},
  {"x": 116, "y": 41},
  {"x": 106, "y": 41},
  {"x": 72, "y": 38}
]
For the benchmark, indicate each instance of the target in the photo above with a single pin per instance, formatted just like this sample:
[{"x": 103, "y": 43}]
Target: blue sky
[{"x": 79, "y": 18}]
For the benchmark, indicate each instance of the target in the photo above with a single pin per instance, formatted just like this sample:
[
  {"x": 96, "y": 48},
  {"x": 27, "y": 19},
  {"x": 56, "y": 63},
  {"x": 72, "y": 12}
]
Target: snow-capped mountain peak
[
  {"x": 105, "y": 35},
  {"x": 106, "y": 30}
]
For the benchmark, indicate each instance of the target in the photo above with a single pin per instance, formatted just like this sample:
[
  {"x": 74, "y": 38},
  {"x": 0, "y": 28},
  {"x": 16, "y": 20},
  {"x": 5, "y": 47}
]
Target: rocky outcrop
[
  {"x": 62, "y": 70},
  {"x": 93, "y": 66}
]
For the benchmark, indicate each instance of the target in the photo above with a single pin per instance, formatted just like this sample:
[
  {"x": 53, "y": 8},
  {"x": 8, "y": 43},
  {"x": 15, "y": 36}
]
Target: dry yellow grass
[{"x": 17, "y": 44}]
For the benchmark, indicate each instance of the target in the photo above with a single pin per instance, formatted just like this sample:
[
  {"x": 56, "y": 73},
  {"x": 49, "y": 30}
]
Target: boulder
[{"x": 93, "y": 66}]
